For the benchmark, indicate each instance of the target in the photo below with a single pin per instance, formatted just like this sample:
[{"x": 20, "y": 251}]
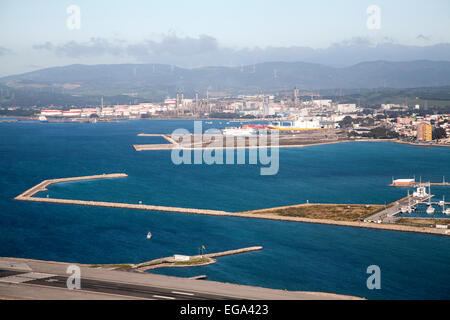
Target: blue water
[{"x": 296, "y": 256}]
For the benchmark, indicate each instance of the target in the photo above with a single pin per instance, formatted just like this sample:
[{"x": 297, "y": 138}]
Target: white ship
[
  {"x": 299, "y": 124},
  {"x": 430, "y": 209},
  {"x": 444, "y": 210},
  {"x": 421, "y": 192},
  {"x": 149, "y": 235},
  {"x": 238, "y": 131},
  {"x": 409, "y": 208}
]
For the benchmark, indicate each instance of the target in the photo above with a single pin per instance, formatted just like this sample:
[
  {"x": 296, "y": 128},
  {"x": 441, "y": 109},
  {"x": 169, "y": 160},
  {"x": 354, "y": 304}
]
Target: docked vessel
[
  {"x": 238, "y": 131},
  {"x": 299, "y": 124},
  {"x": 444, "y": 210},
  {"x": 430, "y": 209},
  {"x": 421, "y": 192},
  {"x": 409, "y": 208}
]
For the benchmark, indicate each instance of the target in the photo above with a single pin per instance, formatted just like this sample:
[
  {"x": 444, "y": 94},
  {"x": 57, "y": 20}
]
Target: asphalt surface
[
  {"x": 47, "y": 280},
  {"x": 98, "y": 286}
]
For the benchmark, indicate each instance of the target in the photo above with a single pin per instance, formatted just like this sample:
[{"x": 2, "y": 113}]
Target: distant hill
[{"x": 159, "y": 80}]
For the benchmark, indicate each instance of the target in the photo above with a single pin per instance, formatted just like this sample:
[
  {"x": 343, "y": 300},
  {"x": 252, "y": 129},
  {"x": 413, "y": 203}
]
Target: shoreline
[
  {"x": 418, "y": 144},
  {"x": 183, "y": 284}
]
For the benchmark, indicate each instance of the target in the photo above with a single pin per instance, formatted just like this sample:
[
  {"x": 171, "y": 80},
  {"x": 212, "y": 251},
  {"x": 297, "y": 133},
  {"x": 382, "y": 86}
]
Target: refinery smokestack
[
  {"x": 196, "y": 102},
  {"x": 295, "y": 97},
  {"x": 182, "y": 104},
  {"x": 207, "y": 101}
]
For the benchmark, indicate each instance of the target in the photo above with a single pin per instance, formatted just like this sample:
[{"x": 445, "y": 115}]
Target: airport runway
[
  {"x": 46, "y": 280},
  {"x": 97, "y": 286}
]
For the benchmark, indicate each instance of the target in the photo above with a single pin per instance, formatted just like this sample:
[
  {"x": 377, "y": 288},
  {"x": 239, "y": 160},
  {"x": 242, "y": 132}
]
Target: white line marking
[
  {"x": 14, "y": 279},
  {"x": 163, "y": 297},
  {"x": 36, "y": 275},
  {"x": 4, "y": 264},
  {"x": 185, "y": 293},
  {"x": 21, "y": 278}
]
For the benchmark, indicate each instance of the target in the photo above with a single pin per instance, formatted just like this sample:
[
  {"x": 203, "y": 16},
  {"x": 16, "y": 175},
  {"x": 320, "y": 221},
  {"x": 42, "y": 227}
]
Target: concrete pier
[
  {"x": 418, "y": 184},
  {"x": 262, "y": 214},
  {"x": 42, "y": 186},
  {"x": 202, "y": 259}
]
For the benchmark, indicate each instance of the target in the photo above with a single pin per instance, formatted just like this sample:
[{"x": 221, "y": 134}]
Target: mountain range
[{"x": 160, "y": 80}]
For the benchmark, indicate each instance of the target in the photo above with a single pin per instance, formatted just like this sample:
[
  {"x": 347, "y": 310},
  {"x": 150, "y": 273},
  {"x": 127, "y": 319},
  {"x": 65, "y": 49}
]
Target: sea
[{"x": 296, "y": 256}]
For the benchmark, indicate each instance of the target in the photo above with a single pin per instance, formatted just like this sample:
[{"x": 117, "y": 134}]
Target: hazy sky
[{"x": 34, "y": 34}]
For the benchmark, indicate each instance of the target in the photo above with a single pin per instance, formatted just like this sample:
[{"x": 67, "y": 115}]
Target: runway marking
[
  {"x": 24, "y": 277},
  {"x": 14, "y": 265},
  {"x": 14, "y": 279},
  {"x": 185, "y": 293},
  {"x": 37, "y": 275},
  {"x": 163, "y": 297}
]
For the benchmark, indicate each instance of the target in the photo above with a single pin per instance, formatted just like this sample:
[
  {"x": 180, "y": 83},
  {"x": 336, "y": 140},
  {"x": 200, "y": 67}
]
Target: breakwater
[
  {"x": 260, "y": 214},
  {"x": 197, "y": 260}
]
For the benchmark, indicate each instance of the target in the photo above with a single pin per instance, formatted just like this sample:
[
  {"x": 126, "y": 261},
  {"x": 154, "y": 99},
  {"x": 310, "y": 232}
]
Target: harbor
[
  {"x": 420, "y": 197},
  {"x": 382, "y": 219}
]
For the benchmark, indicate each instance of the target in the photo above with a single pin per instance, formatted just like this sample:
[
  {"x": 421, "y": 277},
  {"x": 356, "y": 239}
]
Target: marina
[
  {"x": 384, "y": 219},
  {"x": 104, "y": 235}
]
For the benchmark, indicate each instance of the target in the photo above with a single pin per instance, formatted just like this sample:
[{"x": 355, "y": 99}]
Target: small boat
[
  {"x": 430, "y": 209},
  {"x": 410, "y": 207},
  {"x": 149, "y": 235},
  {"x": 444, "y": 210}
]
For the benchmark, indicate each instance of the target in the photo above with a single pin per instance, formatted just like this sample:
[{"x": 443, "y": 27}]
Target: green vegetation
[
  {"x": 116, "y": 266},
  {"x": 425, "y": 222},
  {"x": 430, "y": 99},
  {"x": 195, "y": 261},
  {"x": 349, "y": 122},
  {"x": 381, "y": 133},
  {"x": 337, "y": 212},
  {"x": 439, "y": 133}
]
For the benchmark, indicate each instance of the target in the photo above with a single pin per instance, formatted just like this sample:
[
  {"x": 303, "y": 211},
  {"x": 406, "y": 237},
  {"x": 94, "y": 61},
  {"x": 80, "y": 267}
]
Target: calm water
[{"x": 296, "y": 256}]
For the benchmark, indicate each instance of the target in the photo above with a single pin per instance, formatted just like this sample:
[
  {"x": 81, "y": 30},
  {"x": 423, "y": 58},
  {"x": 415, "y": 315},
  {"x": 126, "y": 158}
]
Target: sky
[{"x": 35, "y": 34}]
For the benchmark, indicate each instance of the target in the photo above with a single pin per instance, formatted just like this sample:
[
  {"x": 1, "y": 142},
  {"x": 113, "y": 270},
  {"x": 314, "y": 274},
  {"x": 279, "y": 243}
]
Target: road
[{"x": 388, "y": 215}]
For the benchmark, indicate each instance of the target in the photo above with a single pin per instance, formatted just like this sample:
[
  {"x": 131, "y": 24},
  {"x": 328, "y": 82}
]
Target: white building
[{"x": 346, "y": 108}]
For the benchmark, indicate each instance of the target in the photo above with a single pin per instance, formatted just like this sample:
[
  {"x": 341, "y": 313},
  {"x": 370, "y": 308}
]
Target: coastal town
[{"x": 294, "y": 112}]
